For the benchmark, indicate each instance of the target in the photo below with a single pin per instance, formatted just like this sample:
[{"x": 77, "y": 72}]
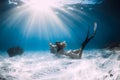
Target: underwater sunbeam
[
  {"x": 47, "y": 19},
  {"x": 41, "y": 18}
]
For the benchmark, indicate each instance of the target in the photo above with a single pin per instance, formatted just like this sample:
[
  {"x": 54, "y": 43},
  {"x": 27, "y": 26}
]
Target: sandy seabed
[{"x": 95, "y": 65}]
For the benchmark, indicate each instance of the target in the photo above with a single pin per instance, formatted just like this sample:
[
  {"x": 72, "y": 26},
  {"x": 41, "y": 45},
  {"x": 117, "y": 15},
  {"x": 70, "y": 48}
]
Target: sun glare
[{"x": 42, "y": 6}]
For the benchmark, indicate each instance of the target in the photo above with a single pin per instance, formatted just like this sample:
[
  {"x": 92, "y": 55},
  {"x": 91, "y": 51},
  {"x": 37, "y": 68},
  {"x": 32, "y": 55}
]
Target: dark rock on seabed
[{"x": 14, "y": 51}]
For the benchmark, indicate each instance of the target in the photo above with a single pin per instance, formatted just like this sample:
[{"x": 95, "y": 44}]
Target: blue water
[{"x": 21, "y": 26}]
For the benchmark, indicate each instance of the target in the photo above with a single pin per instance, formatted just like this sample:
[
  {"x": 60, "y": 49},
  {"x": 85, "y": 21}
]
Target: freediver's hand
[{"x": 50, "y": 44}]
